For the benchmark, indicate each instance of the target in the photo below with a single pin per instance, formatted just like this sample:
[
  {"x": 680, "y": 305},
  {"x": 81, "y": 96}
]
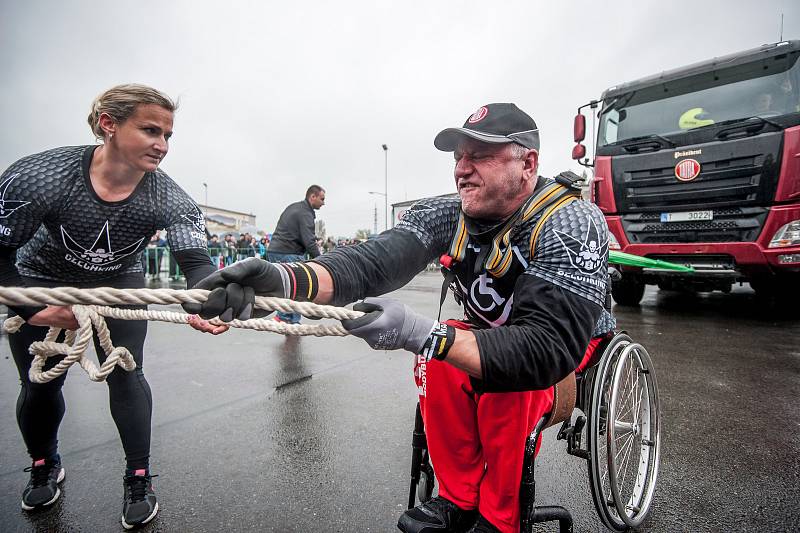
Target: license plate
[{"x": 687, "y": 216}]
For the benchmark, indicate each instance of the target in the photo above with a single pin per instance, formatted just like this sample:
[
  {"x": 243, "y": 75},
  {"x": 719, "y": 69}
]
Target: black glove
[
  {"x": 233, "y": 289},
  {"x": 390, "y": 325}
]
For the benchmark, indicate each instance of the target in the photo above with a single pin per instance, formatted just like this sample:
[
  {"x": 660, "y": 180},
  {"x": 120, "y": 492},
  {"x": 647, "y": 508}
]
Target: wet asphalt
[{"x": 257, "y": 432}]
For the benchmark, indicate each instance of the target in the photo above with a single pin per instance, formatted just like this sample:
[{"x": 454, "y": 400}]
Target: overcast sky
[{"x": 276, "y": 96}]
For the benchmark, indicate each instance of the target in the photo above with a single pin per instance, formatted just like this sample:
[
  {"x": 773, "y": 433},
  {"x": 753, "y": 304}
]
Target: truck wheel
[
  {"x": 781, "y": 287},
  {"x": 627, "y": 291}
]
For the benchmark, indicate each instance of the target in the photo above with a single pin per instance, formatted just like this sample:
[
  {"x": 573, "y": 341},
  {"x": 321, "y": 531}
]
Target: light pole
[
  {"x": 386, "y": 182},
  {"x": 376, "y": 208},
  {"x": 205, "y": 186}
]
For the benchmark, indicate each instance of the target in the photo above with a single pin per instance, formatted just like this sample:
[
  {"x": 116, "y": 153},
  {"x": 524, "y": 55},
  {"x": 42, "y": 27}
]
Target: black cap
[{"x": 493, "y": 123}]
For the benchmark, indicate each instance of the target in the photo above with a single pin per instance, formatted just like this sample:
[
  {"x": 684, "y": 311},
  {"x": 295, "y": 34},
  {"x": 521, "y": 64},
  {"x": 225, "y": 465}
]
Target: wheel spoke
[
  {"x": 637, "y": 397},
  {"x": 638, "y": 413},
  {"x": 622, "y": 448},
  {"x": 629, "y": 407},
  {"x": 623, "y": 414},
  {"x": 628, "y": 447},
  {"x": 633, "y": 410},
  {"x": 628, "y": 390}
]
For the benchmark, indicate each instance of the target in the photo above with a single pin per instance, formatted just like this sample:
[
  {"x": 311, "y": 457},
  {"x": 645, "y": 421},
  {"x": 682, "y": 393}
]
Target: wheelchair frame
[{"x": 618, "y": 397}]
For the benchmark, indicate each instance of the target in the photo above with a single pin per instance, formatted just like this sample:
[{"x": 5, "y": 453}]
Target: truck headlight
[{"x": 788, "y": 235}]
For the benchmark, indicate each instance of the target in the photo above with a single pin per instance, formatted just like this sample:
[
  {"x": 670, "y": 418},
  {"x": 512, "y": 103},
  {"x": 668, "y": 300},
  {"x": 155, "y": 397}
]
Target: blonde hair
[{"x": 120, "y": 103}]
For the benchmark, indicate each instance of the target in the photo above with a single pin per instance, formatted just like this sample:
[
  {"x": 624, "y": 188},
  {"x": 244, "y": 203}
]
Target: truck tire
[
  {"x": 627, "y": 291},
  {"x": 782, "y": 287}
]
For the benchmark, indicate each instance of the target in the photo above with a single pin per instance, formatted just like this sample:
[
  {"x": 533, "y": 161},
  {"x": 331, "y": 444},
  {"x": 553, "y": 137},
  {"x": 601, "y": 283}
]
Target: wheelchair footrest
[{"x": 551, "y": 513}]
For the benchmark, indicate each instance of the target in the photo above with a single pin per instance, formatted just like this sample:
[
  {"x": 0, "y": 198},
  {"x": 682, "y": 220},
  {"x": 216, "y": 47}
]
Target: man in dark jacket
[{"x": 294, "y": 236}]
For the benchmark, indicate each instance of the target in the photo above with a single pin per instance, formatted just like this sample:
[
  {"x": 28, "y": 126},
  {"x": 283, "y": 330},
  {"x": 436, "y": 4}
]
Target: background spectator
[
  {"x": 215, "y": 250},
  {"x": 294, "y": 236}
]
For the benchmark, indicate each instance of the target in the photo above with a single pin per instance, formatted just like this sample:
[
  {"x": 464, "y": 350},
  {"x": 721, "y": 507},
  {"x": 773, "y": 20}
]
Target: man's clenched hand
[
  {"x": 233, "y": 289},
  {"x": 390, "y": 325}
]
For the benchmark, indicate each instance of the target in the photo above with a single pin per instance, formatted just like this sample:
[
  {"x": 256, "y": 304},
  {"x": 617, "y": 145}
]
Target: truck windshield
[{"x": 765, "y": 88}]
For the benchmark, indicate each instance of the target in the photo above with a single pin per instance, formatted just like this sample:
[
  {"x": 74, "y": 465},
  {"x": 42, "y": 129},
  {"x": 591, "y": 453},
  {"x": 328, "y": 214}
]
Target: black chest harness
[{"x": 496, "y": 253}]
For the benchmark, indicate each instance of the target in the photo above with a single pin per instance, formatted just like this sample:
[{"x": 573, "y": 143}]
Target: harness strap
[
  {"x": 537, "y": 229},
  {"x": 497, "y": 262},
  {"x": 449, "y": 277},
  {"x": 545, "y": 201},
  {"x": 458, "y": 247}
]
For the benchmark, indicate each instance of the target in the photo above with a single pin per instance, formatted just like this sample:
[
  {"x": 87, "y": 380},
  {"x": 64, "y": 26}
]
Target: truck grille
[
  {"x": 737, "y": 183},
  {"x": 721, "y": 183},
  {"x": 739, "y": 224}
]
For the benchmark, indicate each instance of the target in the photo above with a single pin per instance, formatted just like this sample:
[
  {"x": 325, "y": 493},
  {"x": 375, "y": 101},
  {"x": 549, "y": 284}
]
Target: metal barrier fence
[{"x": 158, "y": 263}]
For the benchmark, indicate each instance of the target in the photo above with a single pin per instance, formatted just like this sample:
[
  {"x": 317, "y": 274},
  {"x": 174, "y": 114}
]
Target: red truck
[{"x": 700, "y": 166}]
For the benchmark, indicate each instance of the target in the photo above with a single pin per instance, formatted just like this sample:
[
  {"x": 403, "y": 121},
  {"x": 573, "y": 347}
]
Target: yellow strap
[
  {"x": 503, "y": 268},
  {"x": 308, "y": 275},
  {"x": 548, "y": 193},
  {"x": 459, "y": 246},
  {"x": 442, "y": 342},
  {"x": 540, "y": 223},
  {"x": 498, "y": 263}
]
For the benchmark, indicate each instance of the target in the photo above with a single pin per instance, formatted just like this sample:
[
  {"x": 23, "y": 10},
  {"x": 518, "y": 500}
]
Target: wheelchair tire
[
  {"x": 427, "y": 480},
  {"x": 623, "y": 434}
]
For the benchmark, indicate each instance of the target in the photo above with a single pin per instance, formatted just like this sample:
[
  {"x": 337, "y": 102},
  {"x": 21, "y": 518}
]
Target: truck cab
[{"x": 701, "y": 166}]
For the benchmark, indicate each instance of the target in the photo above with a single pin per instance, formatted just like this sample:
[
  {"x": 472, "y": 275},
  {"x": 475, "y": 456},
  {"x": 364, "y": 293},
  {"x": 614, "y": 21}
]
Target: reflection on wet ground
[{"x": 258, "y": 432}]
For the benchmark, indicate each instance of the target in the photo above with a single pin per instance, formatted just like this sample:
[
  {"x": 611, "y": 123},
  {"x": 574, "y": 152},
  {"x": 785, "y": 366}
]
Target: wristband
[
  {"x": 302, "y": 280},
  {"x": 439, "y": 342}
]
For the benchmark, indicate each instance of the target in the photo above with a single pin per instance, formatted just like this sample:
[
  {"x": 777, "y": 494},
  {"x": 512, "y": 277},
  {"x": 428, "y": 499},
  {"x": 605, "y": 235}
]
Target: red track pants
[{"x": 477, "y": 441}]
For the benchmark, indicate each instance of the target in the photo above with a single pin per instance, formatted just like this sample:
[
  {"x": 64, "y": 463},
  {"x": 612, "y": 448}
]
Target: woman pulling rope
[{"x": 80, "y": 216}]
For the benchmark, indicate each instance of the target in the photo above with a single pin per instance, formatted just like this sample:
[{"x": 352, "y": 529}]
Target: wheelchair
[{"x": 619, "y": 418}]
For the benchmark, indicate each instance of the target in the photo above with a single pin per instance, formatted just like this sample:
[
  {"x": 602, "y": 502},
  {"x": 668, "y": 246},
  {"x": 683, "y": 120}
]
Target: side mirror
[
  {"x": 579, "y": 128},
  {"x": 578, "y": 152}
]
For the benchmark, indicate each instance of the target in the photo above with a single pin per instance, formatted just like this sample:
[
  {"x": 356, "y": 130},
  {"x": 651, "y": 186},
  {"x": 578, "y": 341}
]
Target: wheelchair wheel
[
  {"x": 427, "y": 481},
  {"x": 623, "y": 434}
]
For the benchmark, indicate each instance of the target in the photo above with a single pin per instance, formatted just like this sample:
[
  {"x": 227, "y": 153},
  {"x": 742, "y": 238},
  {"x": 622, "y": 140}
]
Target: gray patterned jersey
[
  {"x": 64, "y": 232},
  {"x": 433, "y": 221},
  {"x": 571, "y": 252}
]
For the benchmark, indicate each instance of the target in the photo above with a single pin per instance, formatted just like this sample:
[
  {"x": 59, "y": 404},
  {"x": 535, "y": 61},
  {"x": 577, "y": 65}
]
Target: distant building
[
  {"x": 220, "y": 221},
  {"x": 319, "y": 229},
  {"x": 400, "y": 208}
]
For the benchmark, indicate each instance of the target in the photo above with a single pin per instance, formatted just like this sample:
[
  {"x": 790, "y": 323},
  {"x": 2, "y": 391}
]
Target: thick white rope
[{"x": 90, "y": 306}]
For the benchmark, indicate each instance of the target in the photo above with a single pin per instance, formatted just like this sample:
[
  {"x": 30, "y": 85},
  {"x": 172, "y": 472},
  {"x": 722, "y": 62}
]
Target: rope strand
[{"x": 90, "y": 306}]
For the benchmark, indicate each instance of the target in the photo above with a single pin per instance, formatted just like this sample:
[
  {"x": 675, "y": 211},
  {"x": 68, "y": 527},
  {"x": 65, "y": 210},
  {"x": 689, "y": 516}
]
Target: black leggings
[{"x": 40, "y": 407}]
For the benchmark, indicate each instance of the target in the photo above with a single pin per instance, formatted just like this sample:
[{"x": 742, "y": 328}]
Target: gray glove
[
  {"x": 390, "y": 325},
  {"x": 233, "y": 289}
]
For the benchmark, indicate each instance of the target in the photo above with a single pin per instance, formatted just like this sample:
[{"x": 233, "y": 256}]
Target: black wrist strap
[
  {"x": 304, "y": 282},
  {"x": 439, "y": 342}
]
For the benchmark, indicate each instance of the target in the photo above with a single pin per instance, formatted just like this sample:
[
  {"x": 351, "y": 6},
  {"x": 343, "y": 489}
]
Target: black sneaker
[
  {"x": 436, "y": 515},
  {"x": 140, "y": 504},
  {"x": 42, "y": 489},
  {"x": 483, "y": 526}
]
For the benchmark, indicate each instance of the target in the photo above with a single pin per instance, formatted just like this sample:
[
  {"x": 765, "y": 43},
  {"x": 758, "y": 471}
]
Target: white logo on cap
[{"x": 478, "y": 115}]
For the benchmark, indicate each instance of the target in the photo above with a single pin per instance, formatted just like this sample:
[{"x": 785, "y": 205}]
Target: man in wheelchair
[{"x": 527, "y": 259}]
